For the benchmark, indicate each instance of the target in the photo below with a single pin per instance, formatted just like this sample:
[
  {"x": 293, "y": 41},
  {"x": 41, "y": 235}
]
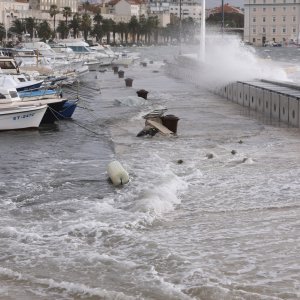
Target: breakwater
[{"x": 278, "y": 101}]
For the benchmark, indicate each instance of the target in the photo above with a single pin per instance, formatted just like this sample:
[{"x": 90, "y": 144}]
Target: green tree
[
  {"x": 62, "y": 29},
  {"x": 133, "y": 27},
  {"x": 122, "y": 29},
  {"x": 53, "y": 12},
  {"x": 75, "y": 24},
  {"x": 107, "y": 27},
  {"x": 2, "y": 32},
  {"x": 67, "y": 12},
  {"x": 143, "y": 27},
  {"x": 86, "y": 25},
  {"x": 97, "y": 30},
  {"x": 17, "y": 28},
  {"x": 30, "y": 26},
  {"x": 44, "y": 31}
]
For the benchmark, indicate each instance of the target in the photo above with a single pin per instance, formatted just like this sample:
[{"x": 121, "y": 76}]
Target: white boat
[
  {"x": 10, "y": 98},
  {"x": 19, "y": 81},
  {"x": 85, "y": 52},
  {"x": 12, "y": 118}
]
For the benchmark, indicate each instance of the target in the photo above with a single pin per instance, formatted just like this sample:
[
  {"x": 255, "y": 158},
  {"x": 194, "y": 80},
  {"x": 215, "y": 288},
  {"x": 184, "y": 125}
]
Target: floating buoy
[{"x": 117, "y": 173}]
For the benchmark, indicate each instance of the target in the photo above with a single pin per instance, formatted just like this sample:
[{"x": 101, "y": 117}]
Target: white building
[
  {"x": 11, "y": 10},
  {"x": 188, "y": 10},
  {"x": 123, "y": 10},
  {"x": 272, "y": 21},
  {"x": 44, "y": 5}
]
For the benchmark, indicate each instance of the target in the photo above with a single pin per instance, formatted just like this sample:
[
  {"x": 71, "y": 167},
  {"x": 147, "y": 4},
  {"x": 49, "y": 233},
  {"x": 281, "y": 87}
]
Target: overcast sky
[{"x": 213, "y": 3}]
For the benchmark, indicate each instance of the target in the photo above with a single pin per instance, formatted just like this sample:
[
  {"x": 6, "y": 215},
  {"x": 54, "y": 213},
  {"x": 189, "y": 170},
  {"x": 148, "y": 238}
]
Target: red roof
[
  {"x": 132, "y": 2},
  {"x": 228, "y": 9}
]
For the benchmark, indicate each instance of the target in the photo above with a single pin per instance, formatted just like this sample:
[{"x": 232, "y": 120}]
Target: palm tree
[
  {"x": 18, "y": 28},
  {"x": 62, "y": 29},
  {"x": 143, "y": 27},
  {"x": 67, "y": 12},
  {"x": 122, "y": 29},
  {"x": 30, "y": 26},
  {"x": 154, "y": 27},
  {"x": 133, "y": 27},
  {"x": 98, "y": 18},
  {"x": 97, "y": 30},
  {"x": 75, "y": 24},
  {"x": 44, "y": 31},
  {"x": 2, "y": 32},
  {"x": 86, "y": 25},
  {"x": 107, "y": 27},
  {"x": 53, "y": 12}
]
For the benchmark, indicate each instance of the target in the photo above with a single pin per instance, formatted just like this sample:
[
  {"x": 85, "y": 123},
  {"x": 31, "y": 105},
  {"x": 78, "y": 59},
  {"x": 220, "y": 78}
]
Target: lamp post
[
  {"x": 180, "y": 28},
  {"x": 222, "y": 22},
  {"x": 202, "y": 42}
]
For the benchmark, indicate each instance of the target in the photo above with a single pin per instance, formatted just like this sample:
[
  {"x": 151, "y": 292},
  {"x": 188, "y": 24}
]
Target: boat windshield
[
  {"x": 80, "y": 49},
  {"x": 13, "y": 94},
  {"x": 7, "y": 65}
]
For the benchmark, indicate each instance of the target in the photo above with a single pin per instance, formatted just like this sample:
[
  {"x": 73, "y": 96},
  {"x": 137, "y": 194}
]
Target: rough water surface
[{"x": 222, "y": 224}]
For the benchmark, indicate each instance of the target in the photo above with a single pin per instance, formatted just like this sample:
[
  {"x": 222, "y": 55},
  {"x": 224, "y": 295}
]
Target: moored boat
[{"x": 13, "y": 118}]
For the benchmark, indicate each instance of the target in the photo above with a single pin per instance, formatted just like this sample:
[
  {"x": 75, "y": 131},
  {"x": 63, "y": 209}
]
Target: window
[
  {"x": 13, "y": 94},
  {"x": 264, "y": 9},
  {"x": 294, "y": 30},
  {"x": 264, "y": 19},
  {"x": 274, "y": 8},
  {"x": 274, "y": 19},
  {"x": 274, "y": 30},
  {"x": 254, "y": 9},
  {"x": 294, "y": 19},
  {"x": 283, "y": 19},
  {"x": 254, "y": 30},
  {"x": 264, "y": 29},
  {"x": 254, "y": 20},
  {"x": 283, "y": 30}
]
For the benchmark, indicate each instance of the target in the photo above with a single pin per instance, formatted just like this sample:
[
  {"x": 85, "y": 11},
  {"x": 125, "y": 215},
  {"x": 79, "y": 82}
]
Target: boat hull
[{"x": 21, "y": 117}]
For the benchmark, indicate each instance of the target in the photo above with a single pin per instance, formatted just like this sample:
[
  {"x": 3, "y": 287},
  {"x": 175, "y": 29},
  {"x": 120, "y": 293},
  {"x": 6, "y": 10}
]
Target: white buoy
[{"x": 117, "y": 173}]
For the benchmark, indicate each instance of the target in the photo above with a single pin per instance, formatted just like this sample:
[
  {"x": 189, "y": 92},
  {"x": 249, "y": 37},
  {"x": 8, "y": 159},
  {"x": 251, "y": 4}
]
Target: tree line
[{"x": 138, "y": 30}]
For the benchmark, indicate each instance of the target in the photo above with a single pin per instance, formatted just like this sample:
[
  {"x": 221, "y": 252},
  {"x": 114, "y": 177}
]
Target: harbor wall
[{"x": 274, "y": 100}]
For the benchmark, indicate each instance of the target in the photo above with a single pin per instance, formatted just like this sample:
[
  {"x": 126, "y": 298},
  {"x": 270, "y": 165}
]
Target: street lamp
[{"x": 222, "y": 12}]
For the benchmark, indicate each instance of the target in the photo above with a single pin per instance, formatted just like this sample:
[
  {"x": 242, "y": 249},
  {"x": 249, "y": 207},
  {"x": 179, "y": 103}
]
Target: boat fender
[{"x": 117, "y": 173}]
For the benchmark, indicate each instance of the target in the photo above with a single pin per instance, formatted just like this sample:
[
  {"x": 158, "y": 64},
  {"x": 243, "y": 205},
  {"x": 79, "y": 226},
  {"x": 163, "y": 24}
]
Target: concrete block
[
  {"x": 246, "y": 95},
  {"x": 294, "y": 111},
  {"x": 240, "y": 93},
  {"x": 275, "y": 109},
  {"x": 229, "y": 95},
  {"x": 260, "y": 100},
  {"x": 267, "y": 100},
  {"x": 253, "y": 97},
  {"x": 235, "y": 92},
  {"x": 284, "y": 108}
]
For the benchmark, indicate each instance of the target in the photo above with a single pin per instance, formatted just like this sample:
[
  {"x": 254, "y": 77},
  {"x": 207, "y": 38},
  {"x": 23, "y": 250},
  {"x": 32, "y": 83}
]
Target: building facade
[
  {"x": 272, "y": 21},
  {"x": 44, "y": 5}
]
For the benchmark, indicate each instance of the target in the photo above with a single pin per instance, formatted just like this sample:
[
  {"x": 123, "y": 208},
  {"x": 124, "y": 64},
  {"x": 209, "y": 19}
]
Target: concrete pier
[{"x": 278, "y": 101}]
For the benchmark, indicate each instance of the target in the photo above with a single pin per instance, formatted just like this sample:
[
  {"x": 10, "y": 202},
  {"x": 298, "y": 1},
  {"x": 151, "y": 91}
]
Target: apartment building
[
  {"x": 44, "y": 5},
  {"x": 272, "y": 21}
]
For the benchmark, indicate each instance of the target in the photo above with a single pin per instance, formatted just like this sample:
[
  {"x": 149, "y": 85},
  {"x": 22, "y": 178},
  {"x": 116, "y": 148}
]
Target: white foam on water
[
  {"x": 69, "y": 288},
  {"x": 131, "y": 101},
  {"x": 228, "y": 60}
]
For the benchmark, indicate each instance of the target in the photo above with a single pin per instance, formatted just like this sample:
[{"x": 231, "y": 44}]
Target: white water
[{"x": 219, "y": 228}]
